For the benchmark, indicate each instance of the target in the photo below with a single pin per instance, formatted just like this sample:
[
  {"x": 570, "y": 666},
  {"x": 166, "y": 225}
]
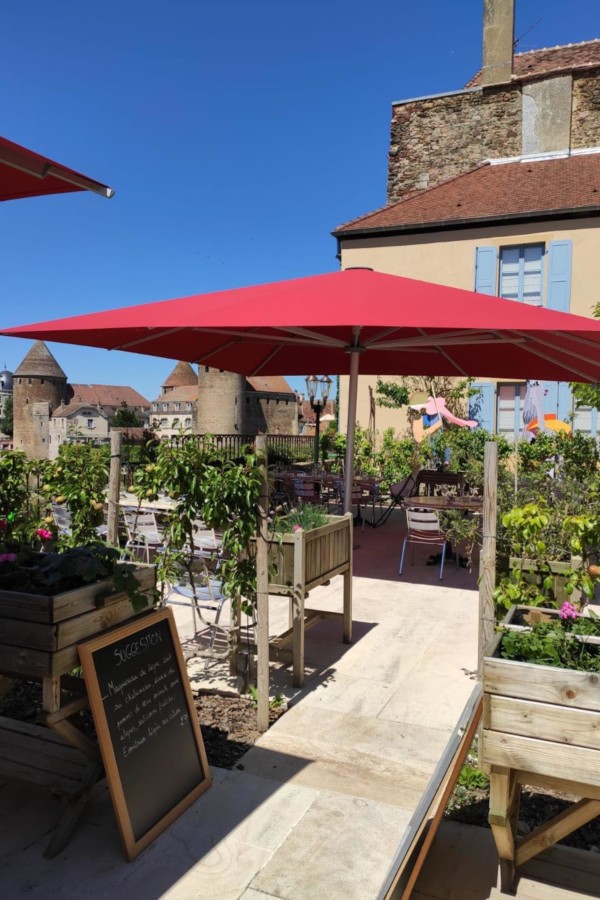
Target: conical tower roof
[
  {"x": 39, "y": 362},
  {"x": 181, "y": 376}
]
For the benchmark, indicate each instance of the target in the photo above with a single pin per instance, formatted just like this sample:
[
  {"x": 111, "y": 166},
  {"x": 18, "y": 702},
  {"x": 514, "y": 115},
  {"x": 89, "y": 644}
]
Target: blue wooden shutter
[
  {"x": 485, "y": 270},
  {"x": 550, "y": 396},
  {"x": 565, "y": 401},
  {"x": 559, "y": 275},
  {"x": 481, "y": 405}
]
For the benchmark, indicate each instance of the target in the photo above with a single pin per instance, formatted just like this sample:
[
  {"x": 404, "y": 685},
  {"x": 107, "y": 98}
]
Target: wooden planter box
[
  {"x": 540, "y": 718},
  {"x": 299, "y": 562},
  {"x": 320, "y": 554},
  {"x": 39, "y": 634},
  {"x": 541, "y": 727}
]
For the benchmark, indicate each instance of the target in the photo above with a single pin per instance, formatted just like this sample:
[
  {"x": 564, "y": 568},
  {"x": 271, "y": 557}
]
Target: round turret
[
  {"x": 221, "y": 401},
  {"x": 6, "y": 380},
  {"x": 39, "y": 387}
]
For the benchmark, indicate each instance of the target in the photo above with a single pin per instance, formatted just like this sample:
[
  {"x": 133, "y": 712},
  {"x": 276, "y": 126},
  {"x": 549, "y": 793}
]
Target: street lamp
[{"x": 318, "y": 392}]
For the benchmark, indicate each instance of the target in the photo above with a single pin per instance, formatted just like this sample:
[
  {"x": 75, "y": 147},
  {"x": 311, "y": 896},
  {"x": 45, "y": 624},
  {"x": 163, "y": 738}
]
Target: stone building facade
[
  {"x": 219, "y": 402},
  {"x": 39, "y": 387},
  {"x": 48, "y": 411},
  {"x": 541, "y": 101}
]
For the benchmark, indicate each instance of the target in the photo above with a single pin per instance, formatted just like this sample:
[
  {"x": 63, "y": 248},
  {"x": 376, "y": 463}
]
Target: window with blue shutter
[
  {"x": 521, "y": 273},
  {"x": 560, "y": 254},
  {"x": 481, "y": 405}
]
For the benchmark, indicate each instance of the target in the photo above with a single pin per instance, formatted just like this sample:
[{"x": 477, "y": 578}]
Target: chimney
[{"x": 498, "y": 41}]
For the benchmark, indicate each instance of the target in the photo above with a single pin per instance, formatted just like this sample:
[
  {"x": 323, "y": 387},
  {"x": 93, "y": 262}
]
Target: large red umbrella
[
  {"x": 24, "y": 173},
  {"x": 335, "y": 323}
]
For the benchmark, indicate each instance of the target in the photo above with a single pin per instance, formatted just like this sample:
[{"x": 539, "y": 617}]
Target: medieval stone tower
[
  {"x": 39, "y": 387},
  {"x": 221, "y": 401}
]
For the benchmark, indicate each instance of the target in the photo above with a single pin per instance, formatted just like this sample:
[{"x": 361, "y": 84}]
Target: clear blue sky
[{"x": 236, "y": 133}]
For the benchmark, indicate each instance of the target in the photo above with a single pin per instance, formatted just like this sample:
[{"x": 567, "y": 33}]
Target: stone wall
[
  {"x": 271, "y": 414},
  {"x": 437, "y": 138},
  {"x": 33, "y": 400},
  {"x": 585, "y": 121}
]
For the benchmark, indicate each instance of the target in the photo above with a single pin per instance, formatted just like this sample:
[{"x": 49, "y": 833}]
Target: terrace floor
[{"x": 317, "y": 808}]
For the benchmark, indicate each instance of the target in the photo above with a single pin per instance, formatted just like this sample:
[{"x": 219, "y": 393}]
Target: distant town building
[
  {"x": 48, "y": 411},
  {"x": 218, "y": 402},
  {"x": 176, "y": 409}
]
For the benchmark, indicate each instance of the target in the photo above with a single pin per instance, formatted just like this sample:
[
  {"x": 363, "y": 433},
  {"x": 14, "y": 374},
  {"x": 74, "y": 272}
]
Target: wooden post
[
  {"x": 347, "y": 614},
  {"x": 262, "y": 592},
  {"x": 299, "y": 590},
  {"x": 114, "y": 486},
  {"x": 487, "y": 562}
]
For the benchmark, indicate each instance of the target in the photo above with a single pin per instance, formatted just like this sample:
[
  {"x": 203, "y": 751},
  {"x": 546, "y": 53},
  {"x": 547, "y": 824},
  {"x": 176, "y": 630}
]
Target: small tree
[
  {"x": 6, "y": 421},
  {"x": 126, "y": 418}
]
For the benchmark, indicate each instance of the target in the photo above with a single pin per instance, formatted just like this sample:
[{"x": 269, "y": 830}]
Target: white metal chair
[
  {"x": 424, "y": 528},
  {"x": 205, "y": 594},
  {"x": 62, "y": 518},
  {"x": 143, "y": 533}
]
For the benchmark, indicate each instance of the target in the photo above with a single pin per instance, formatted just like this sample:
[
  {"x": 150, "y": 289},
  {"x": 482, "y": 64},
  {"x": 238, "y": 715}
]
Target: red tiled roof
[
  {"x": 551, "y": 59},
  {"x": 184, "y": 392},
  {"x": 182, "y": 374},
  {"x": 495, "y": 191},
  {"x": 272, "y": 384},
  {"x": 105, "y": 395}
]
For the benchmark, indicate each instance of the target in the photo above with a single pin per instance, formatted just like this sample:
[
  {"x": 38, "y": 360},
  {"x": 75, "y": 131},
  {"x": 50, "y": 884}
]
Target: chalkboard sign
[{"x": 147, "y": 725}]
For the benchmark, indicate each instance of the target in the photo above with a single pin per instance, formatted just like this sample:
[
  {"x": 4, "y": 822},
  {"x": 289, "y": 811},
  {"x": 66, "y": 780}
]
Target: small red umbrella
[
  {"x": 333, "y": 323},
  {"x": 24, "y": 173}
]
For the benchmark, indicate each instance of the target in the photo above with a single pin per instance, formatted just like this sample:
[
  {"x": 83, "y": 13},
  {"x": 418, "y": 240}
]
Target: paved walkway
[{"x": 317, "y": 807}]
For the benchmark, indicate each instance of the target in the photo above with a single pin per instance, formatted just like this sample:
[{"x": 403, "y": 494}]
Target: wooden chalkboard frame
[{"x": 133, "y": 846}]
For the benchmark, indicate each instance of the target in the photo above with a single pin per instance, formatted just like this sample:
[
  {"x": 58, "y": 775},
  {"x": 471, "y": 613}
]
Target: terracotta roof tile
[
  {"x": 272, "y": 384},
  {"x": 182, "y": 374},
  {"x": 493, "y": 191},
  {"x": 551, "y": 59},
  {"x": 106, "y": 395},
  {"x": 186, "y": 392}
]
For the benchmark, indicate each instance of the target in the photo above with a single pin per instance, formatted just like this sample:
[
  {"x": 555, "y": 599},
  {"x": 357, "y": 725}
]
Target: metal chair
[
  {"x": 202, "y": 593},
  {"x": 424, "y": 528},
  {"x": 62, "y": 518},
  {"x": 143, "y": 532}
]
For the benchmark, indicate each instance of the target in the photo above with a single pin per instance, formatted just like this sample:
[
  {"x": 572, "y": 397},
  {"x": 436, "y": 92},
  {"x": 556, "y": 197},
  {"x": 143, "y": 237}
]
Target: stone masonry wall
[
  {"x": 435, "y": 139},
  {"x": 440, "y": 137},
  {"x": 585, "y": 121},
  {"x": 271, "y": 415}
]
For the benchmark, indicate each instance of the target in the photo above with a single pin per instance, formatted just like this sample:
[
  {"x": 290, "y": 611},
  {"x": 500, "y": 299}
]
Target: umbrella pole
[{"x": 351, "y": 428}]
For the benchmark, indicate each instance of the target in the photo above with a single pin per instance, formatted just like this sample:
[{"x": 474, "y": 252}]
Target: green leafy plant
[
  {"x": 299, "y": 518},
  {"x": 78, "y": 478},
  {"x": 560, "y": 641}
]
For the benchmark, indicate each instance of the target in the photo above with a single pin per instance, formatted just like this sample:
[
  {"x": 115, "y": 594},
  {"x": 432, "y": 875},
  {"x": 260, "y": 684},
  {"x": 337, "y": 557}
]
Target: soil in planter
[
  {"x": 470, "y": 804},
  {"x": 228, "y": 724}
]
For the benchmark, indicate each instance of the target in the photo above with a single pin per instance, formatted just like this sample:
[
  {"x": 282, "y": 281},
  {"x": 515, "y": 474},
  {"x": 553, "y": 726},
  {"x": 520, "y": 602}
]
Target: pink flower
[
  {"x": 44, "y": 534},
  {"x": 568, "y": 611},
  {"x": 297, "y": 528},
  {"x": 7, "y": 557}
]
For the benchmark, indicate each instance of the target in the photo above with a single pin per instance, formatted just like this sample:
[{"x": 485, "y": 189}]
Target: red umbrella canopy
[
  {"x": 24, "y": 173},
  {"x": 398, "y": 326}
]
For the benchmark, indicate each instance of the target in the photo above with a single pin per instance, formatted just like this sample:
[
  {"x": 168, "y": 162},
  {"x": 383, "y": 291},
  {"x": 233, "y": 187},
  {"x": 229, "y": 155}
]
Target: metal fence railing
[{"x": 287, "y": 448}]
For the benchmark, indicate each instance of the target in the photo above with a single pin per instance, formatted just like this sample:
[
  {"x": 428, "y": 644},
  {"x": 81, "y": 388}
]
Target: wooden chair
[{"x": 424, "y": 528}]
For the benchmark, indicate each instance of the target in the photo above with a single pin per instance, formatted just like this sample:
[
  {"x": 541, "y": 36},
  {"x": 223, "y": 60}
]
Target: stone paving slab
[{"x": 318, "y": 806}]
